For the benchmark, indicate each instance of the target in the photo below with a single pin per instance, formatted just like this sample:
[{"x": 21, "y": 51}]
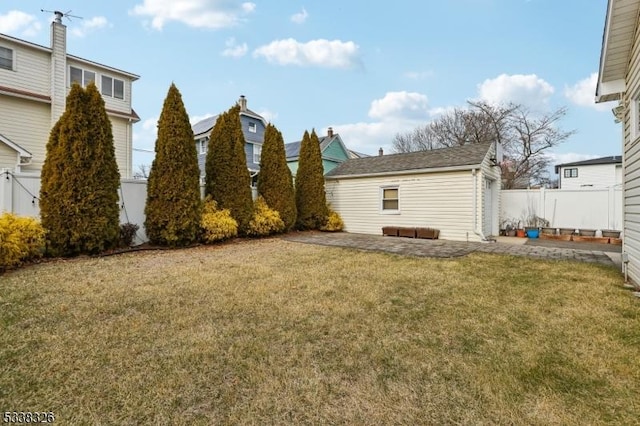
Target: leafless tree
[
  {"x": 142, "y": 171},
  {"x": 524, "y": 136}
]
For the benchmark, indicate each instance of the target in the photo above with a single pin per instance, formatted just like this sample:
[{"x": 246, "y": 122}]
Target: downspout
[{"x": 476, "y": 231}]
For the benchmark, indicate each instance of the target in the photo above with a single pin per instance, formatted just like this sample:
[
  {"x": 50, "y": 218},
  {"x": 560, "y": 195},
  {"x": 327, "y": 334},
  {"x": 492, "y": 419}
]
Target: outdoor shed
[{"x": 455, "y": 190}]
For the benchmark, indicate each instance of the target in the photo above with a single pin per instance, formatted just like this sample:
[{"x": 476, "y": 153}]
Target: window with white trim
[
  {"x": 112, "y": 87},
  {"x": 257, "y": 153},
  {"x": 6, "y": 58},
  {"x": 203, "y": 145},
  {"x": 81, "y": 76},
  {"x": 253, "y": 128},
  {"x": 571, "y": 173},
  {"x": 390, "y": 200}
]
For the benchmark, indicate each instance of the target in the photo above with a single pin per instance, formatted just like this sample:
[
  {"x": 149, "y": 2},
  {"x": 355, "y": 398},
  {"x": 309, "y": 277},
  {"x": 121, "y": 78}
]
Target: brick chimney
[
  {"x": 58, "y": 67},
  {"x": 380, "y": 152},
  {"x": 243, "y": 103},
  {"x": 330, "y": 132}
]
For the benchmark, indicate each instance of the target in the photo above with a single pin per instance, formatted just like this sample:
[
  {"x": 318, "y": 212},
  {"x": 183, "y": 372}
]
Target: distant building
[
  {"x": 332, "y": 149},
  {"x": 253, "y": 127},
  {"x": 34, "y": 83},
  {"x": 596, "y": 173}
]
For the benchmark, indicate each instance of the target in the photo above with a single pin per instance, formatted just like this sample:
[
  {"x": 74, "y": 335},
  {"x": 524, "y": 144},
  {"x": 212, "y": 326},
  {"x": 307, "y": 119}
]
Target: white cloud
[
  {"x": 235, "y": 50},
  {"x": 399, "y": 105},
  {"x": 269, "y": 116},
  {"x": 89, "y": 25},
  {"x": 213, "y": 14},
  {"x": 396, "y": 112},
  {"x": 321, "y": 53},
  {"x": 528, "y": 90},
  {"x": 20, "y": 23},
  {"x": 300, "y": 17},
  {"x": 583, "y": 93}
]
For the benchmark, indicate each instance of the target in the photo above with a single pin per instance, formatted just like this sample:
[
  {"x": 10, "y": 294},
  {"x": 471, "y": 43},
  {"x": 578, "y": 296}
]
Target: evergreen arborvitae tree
[
  {"x": 275, "y": 183},
  {"x": 80, "y": 179},
  {"x": 227, "y": 177},
  {"x": 311, "y": 200},
  {"x": 173, "y": 192}
]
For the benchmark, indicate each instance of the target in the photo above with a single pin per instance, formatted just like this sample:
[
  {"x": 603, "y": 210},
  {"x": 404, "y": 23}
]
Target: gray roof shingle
[
  {"x": 612, "y": 159},
  {"x": 292, "y": 149},
  {"x": 466, "y": 155}
]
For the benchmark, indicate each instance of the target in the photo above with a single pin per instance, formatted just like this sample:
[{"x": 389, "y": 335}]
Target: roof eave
[
  {"x": 408, "y": 172},
  {"x": 611, "y": 89}
]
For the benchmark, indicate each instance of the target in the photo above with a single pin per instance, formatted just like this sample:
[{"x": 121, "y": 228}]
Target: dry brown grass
[{"x": 274, "y": 332}]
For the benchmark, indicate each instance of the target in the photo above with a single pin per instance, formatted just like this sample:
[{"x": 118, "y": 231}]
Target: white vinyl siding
[
  {"x": 122, "y": 142},
  {"x": 596, "y": 176},
  {"x": 16, "y": 112},
  {"x": 441, "y": 200},
  {"x": 8, "y": 157},
  {"x": 31, "y": 70},
  {"x": 631, "y": 240}
]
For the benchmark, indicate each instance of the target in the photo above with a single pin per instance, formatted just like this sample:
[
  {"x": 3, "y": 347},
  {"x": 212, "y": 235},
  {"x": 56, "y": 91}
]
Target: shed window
[
  {"x": 6, "y": 58},
  {"x": 571, "y": 173},
  {"x": 390, "y": 199}
]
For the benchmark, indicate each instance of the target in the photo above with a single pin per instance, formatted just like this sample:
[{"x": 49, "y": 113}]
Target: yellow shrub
[
  {"x": 266, "y": 221},
  {"x": 334, "y": 222},
  {"x": 21, "y": 239},
  {"x": 216, "y": 225}
]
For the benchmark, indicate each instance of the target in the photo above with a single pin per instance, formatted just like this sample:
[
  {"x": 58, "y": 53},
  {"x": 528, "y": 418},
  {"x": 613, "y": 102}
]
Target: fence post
[
  {"x": 611, "y": 208},
  {"x": 542, "y": 208},
  {"x": 6, "y": 194}
]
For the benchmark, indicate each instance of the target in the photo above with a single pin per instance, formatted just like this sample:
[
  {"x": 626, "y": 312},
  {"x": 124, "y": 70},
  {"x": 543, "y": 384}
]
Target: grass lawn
[{"x": 275, "y": 332}]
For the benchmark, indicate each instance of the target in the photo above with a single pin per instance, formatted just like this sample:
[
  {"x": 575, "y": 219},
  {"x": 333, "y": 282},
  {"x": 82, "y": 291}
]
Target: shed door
[{"x": 487, "y": 213}]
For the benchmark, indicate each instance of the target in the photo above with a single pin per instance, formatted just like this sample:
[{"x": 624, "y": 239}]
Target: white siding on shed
[{"x": 437, "y": 200}]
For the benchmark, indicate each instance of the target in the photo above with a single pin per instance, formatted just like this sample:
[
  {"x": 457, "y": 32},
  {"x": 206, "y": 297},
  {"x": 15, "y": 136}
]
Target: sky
[{"x": 367, "y": 69}]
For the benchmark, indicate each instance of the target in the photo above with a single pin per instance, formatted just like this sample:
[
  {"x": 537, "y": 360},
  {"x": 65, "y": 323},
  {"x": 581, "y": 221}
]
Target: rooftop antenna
[{"x": 59, "y": 15}]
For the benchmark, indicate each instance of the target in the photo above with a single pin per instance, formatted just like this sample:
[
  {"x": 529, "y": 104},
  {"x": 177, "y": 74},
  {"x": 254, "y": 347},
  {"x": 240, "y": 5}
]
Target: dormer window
[
  {"x": 252, "y": 127},
  {"x": 112, "y": 87},
  {"x": 6, "y": 58}
]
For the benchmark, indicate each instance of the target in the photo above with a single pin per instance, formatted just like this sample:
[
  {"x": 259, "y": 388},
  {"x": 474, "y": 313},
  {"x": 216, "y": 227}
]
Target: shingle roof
[
  {"x": 612, "y": 159},
  {"x": 206, "y": 124},
  {"x": 466, "y": 155},
  {"x": 292, "y": 149}
]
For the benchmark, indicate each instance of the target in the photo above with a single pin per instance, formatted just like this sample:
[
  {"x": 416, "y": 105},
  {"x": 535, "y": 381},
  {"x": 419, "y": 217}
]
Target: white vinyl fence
[
  {"x": 19, "y": 194},
  {"x": 578, "y": 209}
]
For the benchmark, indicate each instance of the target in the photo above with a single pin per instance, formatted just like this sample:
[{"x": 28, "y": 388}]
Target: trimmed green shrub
[
  {"x": 310, "y": 196},
  {"x": 174, "y": 206},
  {"x": 216, "y": 225},
  {"x": 266, "y": 221},
  {"x": 21, "y": 239},
  {"x": 227, "y": 177},
  {"x": 128, "y": 233},
  {"x": 334, "y": 222},
  {"x": 275, "y": 183},
  {"x": 80, "y": 178}
]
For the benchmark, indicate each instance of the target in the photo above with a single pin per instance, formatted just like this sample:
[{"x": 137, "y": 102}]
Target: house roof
[
  {"x": 292, "y": 149},
  {"x": 132, "y": 76},
  {"x": 612, "y": 159},
  {"x": 20, "y": 150},
  {"x": 617, "y": 41},
  {"x": 206, "y": 125},
  {"x": 465, "y": 156}
]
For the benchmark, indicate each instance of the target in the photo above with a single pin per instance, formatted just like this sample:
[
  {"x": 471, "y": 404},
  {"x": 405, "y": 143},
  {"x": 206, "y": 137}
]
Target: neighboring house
[
  {"x": 619, "y": 80},
  {"x": 597, "y": 173},
  {"x": 34, "y": 83},
  {"x": 332, "y": 149},
  {"x": 253, "y": 127},
  {"x": 456, "y": 190}
]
